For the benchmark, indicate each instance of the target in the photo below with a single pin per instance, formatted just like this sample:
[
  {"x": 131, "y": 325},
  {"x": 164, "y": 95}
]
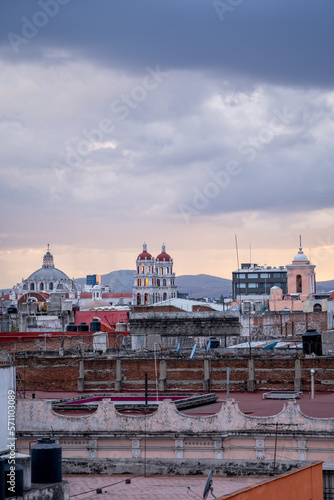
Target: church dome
[
  {"x": 300, "y": 257},
  {"x": 163, "y": 255},
  {"x": 93, "y": 304},
  {"x": 48, "y": 274},
  {"x": 145, "y": 255}
]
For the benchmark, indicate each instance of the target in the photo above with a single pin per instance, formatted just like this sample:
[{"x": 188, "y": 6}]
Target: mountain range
[{"x": 200, "y": 285}]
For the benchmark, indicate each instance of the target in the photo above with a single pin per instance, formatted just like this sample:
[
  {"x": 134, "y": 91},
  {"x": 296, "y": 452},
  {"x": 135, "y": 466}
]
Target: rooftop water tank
[
  {"x": 95, "y": 325},
  {"x": 12, "y": 310},
  {"x": 71, "y": 327},
  {"x": 83, "y": 327},
  {"x": 13, "y": 480},
  {"x": 46, "y": 462}
]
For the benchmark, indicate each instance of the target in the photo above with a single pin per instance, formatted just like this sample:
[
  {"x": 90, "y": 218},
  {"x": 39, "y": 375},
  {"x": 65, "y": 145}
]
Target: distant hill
[
  {"x": 325, "y": 286},
  {"x": 201, "y": 285},
  {"x": 204, "y": 285}
]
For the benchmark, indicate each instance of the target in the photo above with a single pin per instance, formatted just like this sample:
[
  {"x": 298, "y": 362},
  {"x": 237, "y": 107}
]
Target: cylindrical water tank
[
  {"x": 95, "y": 325},
  {"x": 46, "y": 464},
  {"x": 13, "y": 480},
  {"x": 83, "y": 327},
  {"x": 2, "y": 479},
  {"x": 71, "y": 327}
]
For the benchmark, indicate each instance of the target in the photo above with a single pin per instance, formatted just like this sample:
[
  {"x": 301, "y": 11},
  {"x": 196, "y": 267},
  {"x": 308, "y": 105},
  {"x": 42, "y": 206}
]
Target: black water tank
[
  {"x": 214, "y": 343},
  {"x": 2, "y": 479},
  {"x": 95, "y": 325},
  {"x": 46, "y": 462},
  {"x": 83, "y": 327},
  {"x": 71, "y": 327},
  {"x": 312, "y": 342},
  {"x": 12, "y": 310},
  {"x": 13, "y": 480}
]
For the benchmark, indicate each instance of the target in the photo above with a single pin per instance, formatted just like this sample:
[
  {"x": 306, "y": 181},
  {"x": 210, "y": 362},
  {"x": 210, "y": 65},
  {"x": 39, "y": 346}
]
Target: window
[
  {"x": 50, "y": 286},
  {"x": 32, "y": 286},
  {"x": 146, "y": 282},
  {"x": 241, "y": 285},
  {"x": 41, "y": 286},
  {"x": 164, "y": 296},
  {"x": 252, "y": 285},
  {"x": 280, "y": 285},
  {"x": 167, "y": 270},
  {"x": 278, "y": 275},
  {"x": 265, "y": 275},
  {"x": 146, "y": 299},
  {"x": 142, "y": 269},
  {"x": 148, "y": 269},
  {"x": 139, "y": 282},
  {"x": 164, "y": 282},
  {"x": 241, "y": 276},
  {"x": 252, "y": 275},
  {"x": 158, "y": 282},
  {"x": 161, "y": 270},
  {"x": 138, "y": 299},
  {"x": 137, "y": 269},
  {"x": 299, "y": 283},
  {"x": 317, "y": 308}
]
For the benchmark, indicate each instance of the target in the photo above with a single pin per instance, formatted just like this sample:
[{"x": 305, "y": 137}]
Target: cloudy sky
[{"x": 179, "y": 121}]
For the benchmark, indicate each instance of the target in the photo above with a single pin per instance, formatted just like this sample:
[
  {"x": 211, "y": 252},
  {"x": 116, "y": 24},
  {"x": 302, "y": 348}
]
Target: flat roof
[
  {"x": 250, "y": 403},
  {"x": 84, "y": 487}
]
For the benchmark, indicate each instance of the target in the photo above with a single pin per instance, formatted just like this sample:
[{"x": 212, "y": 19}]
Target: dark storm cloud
[{"x": 275, "y": 41}]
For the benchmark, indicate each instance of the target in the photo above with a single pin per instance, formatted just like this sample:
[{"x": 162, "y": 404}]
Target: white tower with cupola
[
  {"x": 165, "y": 284},
  {"x": 154, "y": 279},
  {"x": 143, "y": 287}
]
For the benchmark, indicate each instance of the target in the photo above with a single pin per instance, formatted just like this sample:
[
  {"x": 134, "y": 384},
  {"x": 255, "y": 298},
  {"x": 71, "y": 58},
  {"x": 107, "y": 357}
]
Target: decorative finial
[
  {"x": 300, "y": 242},
  {"x": 144, "y": 247},
  {"x": 163, "y": 248}
]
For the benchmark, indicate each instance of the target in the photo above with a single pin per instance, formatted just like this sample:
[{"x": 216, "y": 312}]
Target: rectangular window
[
  {"x": 252, "y": 285},
  {"x": 241, "y": 276},
  {"x": 241, "y": 285},
  {"x": 265, "y": 275},
  {"x": 252, "y": 275}
]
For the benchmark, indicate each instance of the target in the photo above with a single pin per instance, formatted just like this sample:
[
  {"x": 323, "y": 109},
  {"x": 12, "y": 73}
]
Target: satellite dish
[
  {"x": 208, "y": 486},
  {"x": 178, "y": 348},
  {"x": 208, "y": 346},
  {"x": 193, "y": 351}
]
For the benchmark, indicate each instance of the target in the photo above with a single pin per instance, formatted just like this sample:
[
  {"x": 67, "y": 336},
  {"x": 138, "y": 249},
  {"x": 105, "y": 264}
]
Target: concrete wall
[
  {"x": 167, "y": 434},
  {"x": 180, "y": 325},
  {"x": 7, "y": 384},
  {"x": 275, "y": 325}
]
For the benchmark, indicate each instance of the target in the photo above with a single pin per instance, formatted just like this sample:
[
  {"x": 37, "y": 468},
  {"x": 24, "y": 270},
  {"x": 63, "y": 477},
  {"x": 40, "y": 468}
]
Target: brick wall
[{"x": 51, "y": 372}]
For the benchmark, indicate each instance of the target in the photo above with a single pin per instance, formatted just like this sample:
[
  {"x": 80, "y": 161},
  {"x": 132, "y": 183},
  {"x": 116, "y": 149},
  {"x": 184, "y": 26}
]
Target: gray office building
[{"x": 252, "y": 279}]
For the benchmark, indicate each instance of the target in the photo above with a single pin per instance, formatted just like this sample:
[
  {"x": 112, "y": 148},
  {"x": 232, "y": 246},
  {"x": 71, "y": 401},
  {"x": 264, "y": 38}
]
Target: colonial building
[
  {"x": 47, "y": 279},
  {"x": 154, "y": 279}
]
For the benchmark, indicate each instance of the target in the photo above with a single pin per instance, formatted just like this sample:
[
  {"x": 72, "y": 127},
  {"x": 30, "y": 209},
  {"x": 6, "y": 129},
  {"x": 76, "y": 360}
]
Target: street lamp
[{"x": 312, "y": 382}]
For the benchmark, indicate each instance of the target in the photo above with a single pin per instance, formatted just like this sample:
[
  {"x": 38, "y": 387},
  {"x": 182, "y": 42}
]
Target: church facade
[
  {"x": 154, "y": 279},
  {"x": 47, "y": 279}
]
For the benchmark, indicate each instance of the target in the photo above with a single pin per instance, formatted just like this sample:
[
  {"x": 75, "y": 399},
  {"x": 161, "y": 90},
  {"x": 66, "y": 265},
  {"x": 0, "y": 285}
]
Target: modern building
[
  {"x": 93, "y": 279},
  {"x": 154, "y": 279},
  {"x": 252, "y": 279}
]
